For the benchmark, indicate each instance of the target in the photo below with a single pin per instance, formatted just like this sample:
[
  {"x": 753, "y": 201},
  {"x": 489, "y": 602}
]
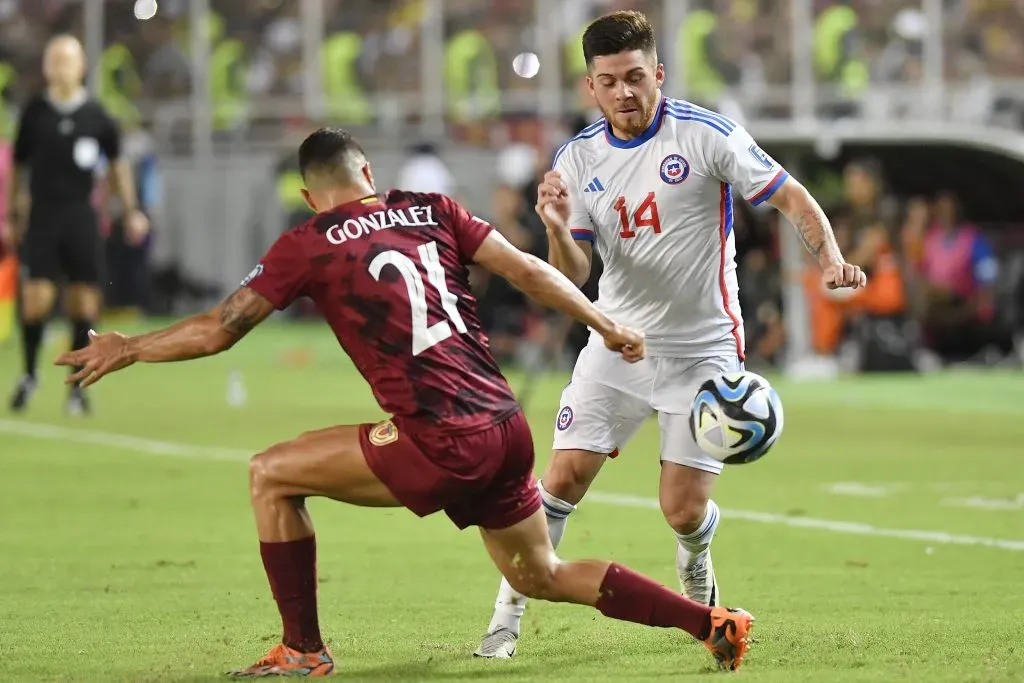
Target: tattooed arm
[
  {"x": 205, "y": 334},
  {"x": 801, "y": 209},
  {"x": 201, "y": 335}
]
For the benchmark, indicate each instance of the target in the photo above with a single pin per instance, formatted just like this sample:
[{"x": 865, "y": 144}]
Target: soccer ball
[{"x": 736, "y": 417}]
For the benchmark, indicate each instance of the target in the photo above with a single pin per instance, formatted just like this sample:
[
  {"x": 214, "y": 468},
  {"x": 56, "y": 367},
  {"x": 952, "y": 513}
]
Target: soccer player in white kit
[{"x": 651, "y": 187}]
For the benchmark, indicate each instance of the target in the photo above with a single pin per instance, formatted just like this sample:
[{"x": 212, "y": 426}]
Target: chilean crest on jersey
[{"x": 674, "y": 169}]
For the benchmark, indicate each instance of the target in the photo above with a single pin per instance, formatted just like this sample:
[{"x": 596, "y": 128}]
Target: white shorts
[{"x": 608, "y": 400}]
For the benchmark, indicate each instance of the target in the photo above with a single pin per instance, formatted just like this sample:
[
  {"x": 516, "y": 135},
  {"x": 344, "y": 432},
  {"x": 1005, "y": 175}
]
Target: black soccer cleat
[
  {"x": 22, "y": 393},
  {"x": 78, "y": 402}
]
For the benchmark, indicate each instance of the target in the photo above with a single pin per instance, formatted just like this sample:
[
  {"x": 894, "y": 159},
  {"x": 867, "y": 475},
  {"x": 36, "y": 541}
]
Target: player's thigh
[
  {"x": 489, "y": 482},
  {"x": 82, "y": 262},
  {"x": 327, "y": 462},
  {"x": 40, "y": 269},
  {"x": 688, "y": 474},
  {"x": 598, "y": 418},
  {"x": 595, "y": 420},
  {"x": 37, "y": 298},
  {"x": 676, "y": 384}
]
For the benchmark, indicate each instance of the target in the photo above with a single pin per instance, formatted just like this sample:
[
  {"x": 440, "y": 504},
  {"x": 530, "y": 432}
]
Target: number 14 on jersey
[{"x": 644, "y": 216}]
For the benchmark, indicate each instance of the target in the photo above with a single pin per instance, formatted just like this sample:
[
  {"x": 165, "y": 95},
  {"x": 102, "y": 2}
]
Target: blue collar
[{"x": 643, "y": 137}]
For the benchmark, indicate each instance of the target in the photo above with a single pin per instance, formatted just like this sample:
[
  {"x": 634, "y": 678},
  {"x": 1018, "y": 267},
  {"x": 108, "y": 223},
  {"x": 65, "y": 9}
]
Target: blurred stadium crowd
[
  {"x": 861, "y": 48},
  {"x": 946, "y": 286}
]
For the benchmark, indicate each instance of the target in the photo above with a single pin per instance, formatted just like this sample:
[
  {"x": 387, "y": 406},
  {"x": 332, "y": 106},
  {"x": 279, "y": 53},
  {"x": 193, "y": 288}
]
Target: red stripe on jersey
[
  {"x": 770, "y": 187},
  {"x": 723, "y": 239}
]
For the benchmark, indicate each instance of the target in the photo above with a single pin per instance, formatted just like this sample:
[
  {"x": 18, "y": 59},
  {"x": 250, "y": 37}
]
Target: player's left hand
[
  {"x": 629, "y": 343},
  {"x": 844, "y": 275},
  {"x": 136, "y": 227},
  {"x": 106, "y": 353}
]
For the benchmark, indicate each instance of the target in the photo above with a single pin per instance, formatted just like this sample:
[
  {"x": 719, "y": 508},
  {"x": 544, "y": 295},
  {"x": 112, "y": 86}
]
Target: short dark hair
[
  {"x": 618, "y": 32},
  {"x": 331, "y": 152}
]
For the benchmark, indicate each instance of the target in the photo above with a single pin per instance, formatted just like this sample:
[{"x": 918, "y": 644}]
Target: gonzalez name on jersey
[{"x": 658, "y": 209}]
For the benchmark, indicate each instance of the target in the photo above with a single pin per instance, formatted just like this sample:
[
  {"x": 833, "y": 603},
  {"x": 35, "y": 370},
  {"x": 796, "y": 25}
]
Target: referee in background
[{"x": 61, "y": 136}]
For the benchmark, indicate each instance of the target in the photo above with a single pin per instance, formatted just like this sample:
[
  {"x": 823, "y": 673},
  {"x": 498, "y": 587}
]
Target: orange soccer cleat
[
  {"x": 284, "y": 661},
  {"x": 730, "y": 636}
]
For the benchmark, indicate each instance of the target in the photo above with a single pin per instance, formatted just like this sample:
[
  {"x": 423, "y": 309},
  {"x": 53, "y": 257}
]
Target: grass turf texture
[{"x": 124, "y": 565}]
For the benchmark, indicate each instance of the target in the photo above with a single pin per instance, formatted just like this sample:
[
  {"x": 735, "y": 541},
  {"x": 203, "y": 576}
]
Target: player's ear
[
  {"x": 309, "y": 200},
  {"x": 368, "y": 174},
  {"x": 659, "y": 74},
  {"x": 590, "y": 86}
]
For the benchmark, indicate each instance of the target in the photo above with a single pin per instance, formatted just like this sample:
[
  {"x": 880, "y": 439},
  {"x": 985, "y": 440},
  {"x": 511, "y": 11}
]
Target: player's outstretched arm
[
  {"x": 803, "y": 211},
  {"x": 201, "y": 335},
  {"x": 547, "y": 286}
]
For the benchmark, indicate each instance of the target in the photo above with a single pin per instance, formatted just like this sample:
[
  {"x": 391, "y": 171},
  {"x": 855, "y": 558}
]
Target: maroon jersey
[{"x": 389, "y": 275}]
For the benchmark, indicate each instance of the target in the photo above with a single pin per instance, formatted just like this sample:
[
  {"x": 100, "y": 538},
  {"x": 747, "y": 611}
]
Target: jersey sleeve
[
  {"x": 24, "y": 139},
  {"x": 470, "y": 231},
  {"x": 110, "y": 137},
  {"x": 738, "y": 161},
  {"x": 283, "y": 273},
  {"x": 580, "y": 223}
]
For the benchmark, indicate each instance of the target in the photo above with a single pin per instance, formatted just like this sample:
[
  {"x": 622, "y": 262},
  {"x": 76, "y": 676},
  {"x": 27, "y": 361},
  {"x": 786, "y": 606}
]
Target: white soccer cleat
[
  {"x": 697, "y": 577},
  {"x": 498, "y": 644}
]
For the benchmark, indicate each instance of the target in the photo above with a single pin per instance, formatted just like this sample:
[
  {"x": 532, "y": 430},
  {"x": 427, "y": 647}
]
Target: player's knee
[
  {"x": 33, "y": 313},
  {"x": 536, "y": 582},
  {"x": 83, "y": 301},
  {"x": 36, "y": 301},
  {"x": 684, "y": 514},
  {"x": 262, "y": 480}
]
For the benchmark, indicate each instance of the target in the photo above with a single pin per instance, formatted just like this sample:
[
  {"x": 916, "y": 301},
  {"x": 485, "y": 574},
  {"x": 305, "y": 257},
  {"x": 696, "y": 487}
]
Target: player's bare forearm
[
  {"x": 541, "y": 282},
  {"x": 124, "y": 184},
  {"x": 549, "y": 287},
  {"x": 195, "y": 337},
  {"x": 813, "y": 227},
  {"x": 205, "y": 334},
  {"x": 568, "y": 257}
]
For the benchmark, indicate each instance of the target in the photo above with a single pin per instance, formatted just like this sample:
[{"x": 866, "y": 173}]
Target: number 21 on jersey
[
  {"x": 423, "y": 336},
  {"x": 645, "y": 216}
]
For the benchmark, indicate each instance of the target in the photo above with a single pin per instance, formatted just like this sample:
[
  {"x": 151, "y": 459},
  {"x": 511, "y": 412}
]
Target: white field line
[
  {"x": 180, "y": 450},
  {"x": 833, "y": 526}
]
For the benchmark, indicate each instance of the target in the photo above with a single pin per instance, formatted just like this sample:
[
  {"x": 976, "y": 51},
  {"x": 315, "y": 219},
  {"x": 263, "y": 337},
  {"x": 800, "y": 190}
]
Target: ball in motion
[
  {"x": 526, "y": 64},
  {"x": 736, "y": 417}
]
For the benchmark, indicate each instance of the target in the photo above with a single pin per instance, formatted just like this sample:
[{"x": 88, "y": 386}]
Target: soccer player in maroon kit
[{"x": 389, "y": 275}]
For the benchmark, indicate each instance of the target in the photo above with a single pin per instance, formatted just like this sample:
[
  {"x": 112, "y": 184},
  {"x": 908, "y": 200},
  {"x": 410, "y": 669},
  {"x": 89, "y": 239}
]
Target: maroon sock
[
  {"x": 291, "y": 569},
  {"x": 629, "y": 596}
]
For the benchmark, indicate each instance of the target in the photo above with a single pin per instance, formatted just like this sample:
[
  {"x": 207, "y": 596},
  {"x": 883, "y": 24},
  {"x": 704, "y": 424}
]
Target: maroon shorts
[{"x": 482, "y": 479}]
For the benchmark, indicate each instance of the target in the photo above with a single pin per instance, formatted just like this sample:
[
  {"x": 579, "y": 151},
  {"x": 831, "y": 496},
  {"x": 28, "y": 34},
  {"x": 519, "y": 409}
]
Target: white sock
[
  {"x": 510, "y": 605},
  {"x": 691, "y": 545}
]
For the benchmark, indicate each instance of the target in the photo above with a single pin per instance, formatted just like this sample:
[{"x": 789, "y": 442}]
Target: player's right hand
[
  {"x": 553, "y": 201},
  {"x": 625, "y": 341},
  {"x": 106, "y": 353}
]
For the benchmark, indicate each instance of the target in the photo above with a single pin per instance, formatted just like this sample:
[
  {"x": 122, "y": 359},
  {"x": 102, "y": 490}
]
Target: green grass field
[{"x": 882, "y": 540}]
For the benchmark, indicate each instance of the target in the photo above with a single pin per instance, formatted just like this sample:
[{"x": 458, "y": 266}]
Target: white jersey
[{"x": 658, "y": 209}]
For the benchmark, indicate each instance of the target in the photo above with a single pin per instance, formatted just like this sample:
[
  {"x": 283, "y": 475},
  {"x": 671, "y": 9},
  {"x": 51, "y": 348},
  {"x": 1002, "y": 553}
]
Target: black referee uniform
[{"x": 62, "y": 144}]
